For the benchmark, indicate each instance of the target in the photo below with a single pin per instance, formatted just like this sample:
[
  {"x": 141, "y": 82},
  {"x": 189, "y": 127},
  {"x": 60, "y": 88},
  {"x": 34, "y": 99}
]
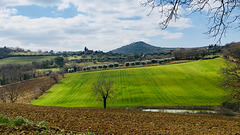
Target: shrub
[
  {"x": 132, "y": 63},
  {"x": 126, "y": 64},
  {"x": 20, "y": 121},
  {"x": 172, "y": 58},
  {"x": 105, "y": 66},
  {"x": 148, "y": 61},
  {"x": 100, "y": 66},
  {"x": 232, "y": 106},
  {"x": 89, "y": 133},
  {"x": 225, "y": 111},
  {"x": 42, "y": 124},
  {"x": 3, "y": 119},
  {"x": 116, "y": 64},
  {"x": 88, "y": 68},
  {"x": 84, "y": 68},
  {"x": 143, "y": 62},
  {"x": 94, "y": 67},
  {"x": 154, "y": 61},
  {"x": 137, "y": 63},
  {"x": 160, "y": 61},
  {"x": 110, "y": 65}
]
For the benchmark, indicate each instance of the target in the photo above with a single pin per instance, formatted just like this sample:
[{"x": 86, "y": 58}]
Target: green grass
[
  {"x": 12, "y": 122},
  {"x": 29, "y": 53},
  {"x": 47, "y": 69},
  {"x": 25, "y": 60},
  {"x": 185, "y": 84}
]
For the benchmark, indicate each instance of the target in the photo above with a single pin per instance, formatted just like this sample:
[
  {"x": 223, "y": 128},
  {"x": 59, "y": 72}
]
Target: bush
[
  {"x": 89, "y": 133},
  {"x": 137, "y": 63},
  {"x": 110, "y": 65},
  {"x": 172, "y": 58},
  {"x": 132, "y": 63},
  {"x": 105, "y": 66},
  {"x": 148, "y": 61},
  {"x": 143, "y": 62},
  {"x": 94, "y": 67},
  {"x": 126, "y": 64},
  {"x": 116, "y": 65},
  {"x": 88, "y": 68},
  {"x": 20, "y": 120},
  {"x": 3, "y": 119},
  {"x": 160, "y": 61},
  {"x": 232, "y": 106},
  {"x": 100, "y": 66},
  {"x": 42, "y": 124},
  {"x": 84, "y": 68},
  {"x": 13, "y": 122},
  {"x": 154, "y": 61},
  {"x": 225, "y": 111}
]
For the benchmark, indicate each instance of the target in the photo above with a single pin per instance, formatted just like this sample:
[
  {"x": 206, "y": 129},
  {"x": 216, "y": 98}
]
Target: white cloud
[
  {"x": 12, "y": 3},
  {"x": 100, "y": 25}
]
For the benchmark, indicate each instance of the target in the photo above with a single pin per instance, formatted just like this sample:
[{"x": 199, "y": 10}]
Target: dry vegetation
[
  {"x": 29, "y": 90},
  {"x": 118, "y": 121}
]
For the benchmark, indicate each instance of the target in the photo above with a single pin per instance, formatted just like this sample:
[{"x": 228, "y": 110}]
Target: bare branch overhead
[{"x": 221, "y": 14}]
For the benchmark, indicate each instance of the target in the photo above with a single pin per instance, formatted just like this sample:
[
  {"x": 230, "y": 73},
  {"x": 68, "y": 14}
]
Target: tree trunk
[{"x": 105, "y": 103}]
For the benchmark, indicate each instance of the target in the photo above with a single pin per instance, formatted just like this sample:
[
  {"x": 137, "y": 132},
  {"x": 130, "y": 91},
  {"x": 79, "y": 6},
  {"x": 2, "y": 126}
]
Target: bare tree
[
  {"x": 54, "y": 76},
  {"x": 42, "y": 86},
  {"x": 39, "y": 89},
  {"x": 221, "y": 14},
  {"x": 13, "y": 92},
  {"x": 3, "y": 94},
  {"x": 230, "y": 73},
  {"x": 35, "y": 91},
  {"x": 62, "y": 72},
  {"x": 104, "y": 90}
]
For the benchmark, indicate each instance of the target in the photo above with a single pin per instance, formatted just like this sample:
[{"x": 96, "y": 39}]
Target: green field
[
  {"x": 185, "y": 84},
  {"x": 25, "y": 60}
]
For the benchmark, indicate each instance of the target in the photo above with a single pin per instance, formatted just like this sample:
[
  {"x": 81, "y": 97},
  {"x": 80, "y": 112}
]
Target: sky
[{"x": 70, "y": 25}]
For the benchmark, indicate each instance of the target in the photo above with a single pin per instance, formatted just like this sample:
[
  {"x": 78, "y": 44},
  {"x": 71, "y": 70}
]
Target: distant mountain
[{"x": 140, "y": 47}]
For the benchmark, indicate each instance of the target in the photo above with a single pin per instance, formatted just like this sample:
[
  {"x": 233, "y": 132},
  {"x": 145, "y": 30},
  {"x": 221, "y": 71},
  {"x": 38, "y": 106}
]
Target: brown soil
[
  {"x": 119, "y": 121},
  {"x": 32, "y": 130}
]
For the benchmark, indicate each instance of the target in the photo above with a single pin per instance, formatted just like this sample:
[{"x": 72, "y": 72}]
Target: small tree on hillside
[
  {"x": 103, "y": 90},
  {"x": 35, "y": 91},
  {"x": 2, "y": 94},
  {"x": 13, "y": 92},
  {"x": 54, "y": 76}
]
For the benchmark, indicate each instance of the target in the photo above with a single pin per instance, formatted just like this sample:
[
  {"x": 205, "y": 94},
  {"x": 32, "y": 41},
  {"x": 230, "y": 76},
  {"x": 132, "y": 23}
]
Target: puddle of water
[{"x": 179, "y": 111}]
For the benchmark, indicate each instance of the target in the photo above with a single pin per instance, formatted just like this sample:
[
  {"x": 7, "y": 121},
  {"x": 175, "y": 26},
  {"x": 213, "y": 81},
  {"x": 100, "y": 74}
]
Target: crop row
[{"x": 186, "y": 84}]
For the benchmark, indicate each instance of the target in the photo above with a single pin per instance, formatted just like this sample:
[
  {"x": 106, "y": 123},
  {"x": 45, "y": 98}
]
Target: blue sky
[{"x": 70, "y": 25}]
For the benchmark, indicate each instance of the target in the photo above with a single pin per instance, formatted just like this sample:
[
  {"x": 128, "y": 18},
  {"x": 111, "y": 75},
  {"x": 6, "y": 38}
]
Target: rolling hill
[
  {"x": 140, "y": 47},
  {"x": 186, "y": 84}
]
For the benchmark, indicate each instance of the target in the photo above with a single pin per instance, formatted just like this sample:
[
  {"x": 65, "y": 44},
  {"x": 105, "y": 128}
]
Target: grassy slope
[
  {"x": 192, "y": 83},
  {"x": 25, "y": 60}
]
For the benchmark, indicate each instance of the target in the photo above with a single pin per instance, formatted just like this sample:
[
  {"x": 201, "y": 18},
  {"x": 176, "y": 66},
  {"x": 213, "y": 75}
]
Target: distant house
[{"x": 86, "y": 51}]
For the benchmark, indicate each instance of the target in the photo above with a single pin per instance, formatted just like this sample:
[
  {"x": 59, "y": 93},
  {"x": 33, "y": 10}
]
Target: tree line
[
  {"x": 195, "y": 53},
  {"x": 12, "y": 73}
]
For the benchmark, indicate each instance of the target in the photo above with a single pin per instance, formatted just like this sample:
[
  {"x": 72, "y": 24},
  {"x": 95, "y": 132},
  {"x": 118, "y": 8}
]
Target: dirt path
[{"x": 118, "y": 121}]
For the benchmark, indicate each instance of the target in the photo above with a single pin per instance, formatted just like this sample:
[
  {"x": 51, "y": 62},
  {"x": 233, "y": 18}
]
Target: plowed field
[{"x": 118, "y": 121}]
